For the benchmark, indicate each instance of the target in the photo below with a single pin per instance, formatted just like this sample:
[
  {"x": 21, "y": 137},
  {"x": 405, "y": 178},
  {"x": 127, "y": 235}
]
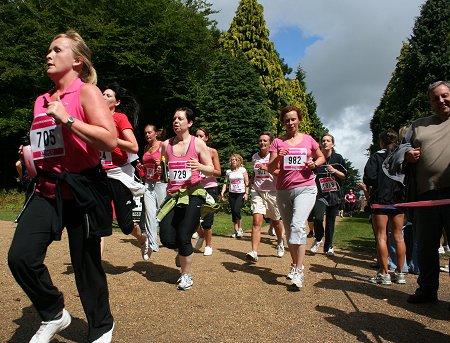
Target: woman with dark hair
[
  {"x": 294, "y": 154},
  {"x": 187, "y": 156},
  {"x": 329, "y": 177},
  {"x": 121, "y": 174},
  {"x": 71, "y": 192},
  {"x": 385, "y": 191},
  {"x": 155, "y": 187},
  {"x": 210, "y": 184}
]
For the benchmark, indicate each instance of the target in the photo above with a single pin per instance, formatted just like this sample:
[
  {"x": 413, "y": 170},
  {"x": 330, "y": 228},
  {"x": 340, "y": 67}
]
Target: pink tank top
[
  {"x": 180, "y": 176},
  {"x": 149, "y": 161},
  {"x": 55, "y": 148},
  {"x": 208, "y": 181}
]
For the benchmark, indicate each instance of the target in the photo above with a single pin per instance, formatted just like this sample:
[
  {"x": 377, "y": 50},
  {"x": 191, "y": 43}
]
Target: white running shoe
[
  {"x": 106, "y": 337},
  {"x": 239, "y": 233},
  {"x": 291, "y": 272},
  {"x": 252, "y": 256},
  {"x": 298, "y": 279},
  {"x": 185, "y": 282},
  {"x": 330, "y": 252},
  {"x": 199, "y": 244},
  {"x": 49, "y": 329},
  {"x": 195, "y": 235},
  {"x": 145, "y": 248},
  {"x": 280, "y": 250},
  {"x": 441, "y": 250},
  {"x": 208, "y": 251},
  {"x": 315, "y": 246},
  {"x": 444, "y": 269}
]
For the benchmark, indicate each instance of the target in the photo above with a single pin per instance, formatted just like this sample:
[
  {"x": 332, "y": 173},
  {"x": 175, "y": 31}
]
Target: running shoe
[
  {"x": 446, "y": 248},
  {"x": 330, "y": 252},
  {"x": 49, "y": 329},
  {"x": 239, "y": 233},
  {"x": 199, "y": 244},
  {"x": 208, "y": 251},
  {"x": 195, "y": 235},
  {"x": 145, "y": 248},
  {"x": 291, "y": 272},
  {"x": 252, "y": 256},
  {"x": 185, "y": 282},
  {"x": 298, "y": 278},
  {"x": 441, "y": 250},
  {"x": 106, "y": 337},
  {"x": 280, "y": 250},
  {"x": 398, "y": 278},
  {"x": 444, "y": 269},
  {"x": 384, "y": 279},
  {"x": 315, "y": 246}
]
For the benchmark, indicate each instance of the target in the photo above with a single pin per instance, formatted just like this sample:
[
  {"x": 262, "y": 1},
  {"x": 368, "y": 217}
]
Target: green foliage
[
  {"x": 232, "y": 105},
  {"x": 158, "y": 49},
  {"x": 425, "y": 58},
  {"x": 248, "y": 33},
  {"x": 353, "y": 177}
]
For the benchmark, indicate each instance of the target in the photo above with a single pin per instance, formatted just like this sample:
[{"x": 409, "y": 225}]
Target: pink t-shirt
[
  {"x": 293, "y": 172},
  {"x": 263, "y": 181},
  {"x": 117, "y": 157},
  {"x": 149, "y": 162},
  {"x": 180, "y": 175},
  {"x": 55, "y": 148}
]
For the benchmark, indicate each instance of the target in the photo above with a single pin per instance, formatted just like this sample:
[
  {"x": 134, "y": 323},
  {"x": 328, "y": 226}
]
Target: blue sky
[{"x": 348, "y": 50}]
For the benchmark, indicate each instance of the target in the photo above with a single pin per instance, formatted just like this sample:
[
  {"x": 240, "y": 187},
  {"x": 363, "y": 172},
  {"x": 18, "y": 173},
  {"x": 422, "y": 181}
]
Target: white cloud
[{"x": 349, "y": 67}]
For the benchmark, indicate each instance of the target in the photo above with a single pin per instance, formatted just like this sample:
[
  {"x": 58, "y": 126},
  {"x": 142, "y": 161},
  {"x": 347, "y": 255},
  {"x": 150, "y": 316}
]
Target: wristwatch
[{"x": 69, "y": 122}]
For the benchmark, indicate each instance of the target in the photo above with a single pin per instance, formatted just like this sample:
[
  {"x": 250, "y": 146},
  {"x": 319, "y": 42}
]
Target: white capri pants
[{"x": 295, "y": 206}]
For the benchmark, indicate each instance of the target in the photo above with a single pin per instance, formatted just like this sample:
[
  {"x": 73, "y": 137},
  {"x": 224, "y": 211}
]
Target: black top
[
  {"x": 329, "y": 188},
  {"x": 383, "y": 189}
]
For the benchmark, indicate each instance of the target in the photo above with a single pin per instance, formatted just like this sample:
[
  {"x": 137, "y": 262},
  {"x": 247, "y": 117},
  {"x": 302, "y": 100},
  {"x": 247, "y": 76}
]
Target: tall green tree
[
  {"x": 425, "y": 58},
  {"x": 248, "y": 33},
  {"x": 233, "y": 106}
]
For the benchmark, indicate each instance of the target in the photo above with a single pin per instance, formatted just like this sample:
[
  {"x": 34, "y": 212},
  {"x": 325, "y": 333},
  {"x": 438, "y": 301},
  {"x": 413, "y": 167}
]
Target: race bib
[
  {"x": 259, "y": 173},
  {"x": 106, "y": 158},
  {"x": 46, "y": 138},
  {"x": 237, "y": 186},
  {"x": 328, "y": 184},
  {"x": 150, "y": 171},
  {"x": 295, "y": 159},
  {"x": 179, "y": 173}
]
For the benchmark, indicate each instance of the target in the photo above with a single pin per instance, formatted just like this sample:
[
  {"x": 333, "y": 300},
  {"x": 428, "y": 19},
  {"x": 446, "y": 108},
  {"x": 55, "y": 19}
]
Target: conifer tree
[
  {"x": 233, "y": 106},
  {"x": 248, "y": 33}
]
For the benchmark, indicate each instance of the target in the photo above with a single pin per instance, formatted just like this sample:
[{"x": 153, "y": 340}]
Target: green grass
[
  {"x": 355, "y": 234},
  {"x": 11, "y": 202}
]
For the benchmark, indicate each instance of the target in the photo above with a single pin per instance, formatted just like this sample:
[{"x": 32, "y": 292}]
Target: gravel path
[{"x": 232, "y": 300}]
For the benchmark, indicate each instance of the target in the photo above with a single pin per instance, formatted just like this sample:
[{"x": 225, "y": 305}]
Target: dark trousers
[
  {"x": 236, "y": 202},
  {"x": 123, "y": 205},
  {"x": 320, "y": 209},
  {"x": 429, "y": 222},
  {"x": 177, "y": 227},
  {"x": 26, "y": 260},
  {"x": 208, "y": 220}
]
